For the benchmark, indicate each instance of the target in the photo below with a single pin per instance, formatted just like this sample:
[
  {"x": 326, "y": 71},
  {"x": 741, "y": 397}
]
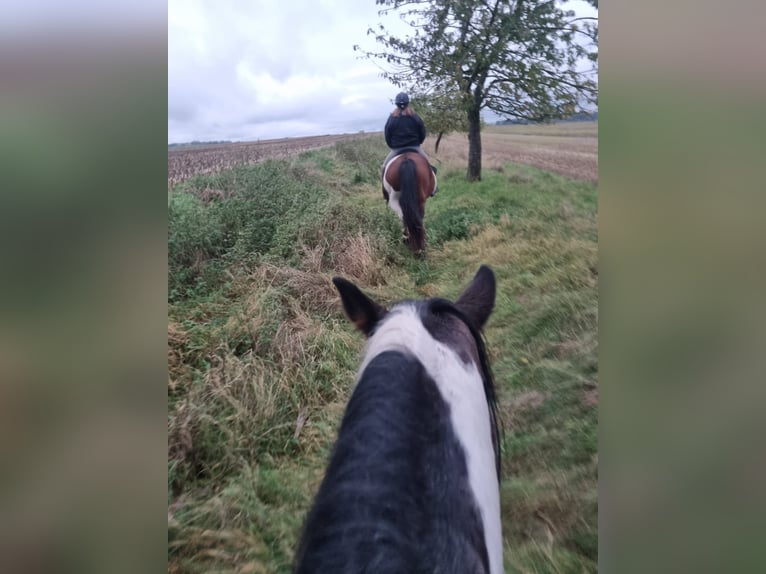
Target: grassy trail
[{"x": 261, "y": 358}]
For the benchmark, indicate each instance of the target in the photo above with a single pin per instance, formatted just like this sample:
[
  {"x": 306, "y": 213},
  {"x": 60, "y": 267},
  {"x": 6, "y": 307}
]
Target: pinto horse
[
  {"x": 412, "y": 484},
  {"x": 407, "y": 182}
]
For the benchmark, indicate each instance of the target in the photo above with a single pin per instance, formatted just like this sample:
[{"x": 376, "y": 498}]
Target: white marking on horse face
[
  {"x": 393, "y": 196},
  {"x": 461, "y": 386}
]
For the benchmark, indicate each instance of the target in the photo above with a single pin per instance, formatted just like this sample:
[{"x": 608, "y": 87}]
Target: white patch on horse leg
[
  {"x": 393, "y": 203},
  {"x": 393, "y": 196},
  {"x": 462, "y": 388}
]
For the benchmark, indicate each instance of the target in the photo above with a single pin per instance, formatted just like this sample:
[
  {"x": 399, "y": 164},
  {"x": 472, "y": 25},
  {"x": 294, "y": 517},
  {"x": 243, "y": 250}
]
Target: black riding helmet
[{"x": 402, "y": 100}]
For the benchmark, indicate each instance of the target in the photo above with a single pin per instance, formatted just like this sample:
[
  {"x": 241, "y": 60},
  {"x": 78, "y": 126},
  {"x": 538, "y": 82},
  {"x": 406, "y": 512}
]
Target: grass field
[{"x": 261, "y": 358}]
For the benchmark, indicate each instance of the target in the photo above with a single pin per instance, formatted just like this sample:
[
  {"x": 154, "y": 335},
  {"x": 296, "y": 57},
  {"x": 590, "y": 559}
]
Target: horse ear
[
  {"x": 360, "y": 309},
  {"x": 478, "y": 299}
]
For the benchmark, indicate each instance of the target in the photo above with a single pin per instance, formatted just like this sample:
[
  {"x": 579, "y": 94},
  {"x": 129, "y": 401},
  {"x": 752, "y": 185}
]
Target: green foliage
[
  {"x": 451, "y": 224},
  {"x": 364, "y": 157},
  {"x": 257, "y": 210},
  {"x": 442, "y": 111}
]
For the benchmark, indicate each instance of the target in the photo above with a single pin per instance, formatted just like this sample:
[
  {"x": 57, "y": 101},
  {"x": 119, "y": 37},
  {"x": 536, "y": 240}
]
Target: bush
[
  {"x": 260, "y": 212},
  {"x": 451, "y": 223},
  {"x": 364, "y": 158}
]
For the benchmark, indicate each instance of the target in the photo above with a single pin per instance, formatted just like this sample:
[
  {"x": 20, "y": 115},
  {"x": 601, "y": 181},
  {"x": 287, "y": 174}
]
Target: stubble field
[
  {"x": 569, "y": 149},
  {"x": 185, "y": 162}
]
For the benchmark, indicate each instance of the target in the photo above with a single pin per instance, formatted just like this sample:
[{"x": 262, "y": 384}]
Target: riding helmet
[{"x": 402, "y": 100}]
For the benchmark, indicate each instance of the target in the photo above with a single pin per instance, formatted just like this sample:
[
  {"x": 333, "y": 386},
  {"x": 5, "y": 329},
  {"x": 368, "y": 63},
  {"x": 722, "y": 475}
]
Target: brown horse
[{"x": 407, "y": 182}]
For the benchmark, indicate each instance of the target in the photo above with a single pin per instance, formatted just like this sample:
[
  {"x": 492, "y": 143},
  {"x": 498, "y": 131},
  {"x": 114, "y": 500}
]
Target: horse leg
[{"x": 421, "y": 253}]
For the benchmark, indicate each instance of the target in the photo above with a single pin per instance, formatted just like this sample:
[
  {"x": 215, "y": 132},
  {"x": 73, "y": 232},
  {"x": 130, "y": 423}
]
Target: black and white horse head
[{"x": 413, "y": 481}]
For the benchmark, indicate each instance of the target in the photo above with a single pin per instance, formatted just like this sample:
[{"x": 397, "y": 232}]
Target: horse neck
[{"x": 371, "y": 487}]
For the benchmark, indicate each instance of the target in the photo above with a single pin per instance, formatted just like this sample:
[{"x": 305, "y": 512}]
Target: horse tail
[{"x": 413, "y": 219}]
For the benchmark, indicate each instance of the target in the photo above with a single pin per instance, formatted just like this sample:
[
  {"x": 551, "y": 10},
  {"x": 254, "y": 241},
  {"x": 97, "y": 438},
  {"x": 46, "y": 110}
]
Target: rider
[{"x": 404, "y": 129}]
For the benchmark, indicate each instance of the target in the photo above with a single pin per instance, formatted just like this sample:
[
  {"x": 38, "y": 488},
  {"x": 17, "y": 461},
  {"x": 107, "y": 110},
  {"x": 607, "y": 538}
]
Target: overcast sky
[{"x": 261, "y": 69}]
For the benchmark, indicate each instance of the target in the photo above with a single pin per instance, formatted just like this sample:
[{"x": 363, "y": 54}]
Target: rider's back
[{"x": 404, "y": 131}]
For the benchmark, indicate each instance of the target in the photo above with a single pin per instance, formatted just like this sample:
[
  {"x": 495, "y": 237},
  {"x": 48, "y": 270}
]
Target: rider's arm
[
  {"x": 387, "y": 132},
  {"x": 421, "y": 128}
]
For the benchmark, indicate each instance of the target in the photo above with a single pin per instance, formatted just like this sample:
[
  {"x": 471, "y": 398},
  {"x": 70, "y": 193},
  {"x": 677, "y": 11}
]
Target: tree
[
  {"x": 441, "y": 111},
  {"x": 519, "y": 58}
]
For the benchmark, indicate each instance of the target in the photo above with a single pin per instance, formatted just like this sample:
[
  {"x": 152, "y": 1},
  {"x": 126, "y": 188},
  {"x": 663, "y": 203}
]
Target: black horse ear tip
[
  {"x": 344, "y": 285},
  {"x": 485, "y": 269},
  {"x": 340, "y": 282}
]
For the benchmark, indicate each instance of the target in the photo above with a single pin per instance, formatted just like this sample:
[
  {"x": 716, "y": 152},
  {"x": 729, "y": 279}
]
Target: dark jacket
[{"x": 404, "y": 131}]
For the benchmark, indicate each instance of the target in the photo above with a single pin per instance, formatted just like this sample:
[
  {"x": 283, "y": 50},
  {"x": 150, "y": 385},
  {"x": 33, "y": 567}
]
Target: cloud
[
  {"x": 259, "y": 69},
  {"x": 249, "y": 70}
]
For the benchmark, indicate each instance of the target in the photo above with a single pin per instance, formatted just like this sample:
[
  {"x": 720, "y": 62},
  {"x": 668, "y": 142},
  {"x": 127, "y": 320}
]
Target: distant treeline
[
  {"x": 195, "y": 142},
  {"x": 581, "y": 117}
]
